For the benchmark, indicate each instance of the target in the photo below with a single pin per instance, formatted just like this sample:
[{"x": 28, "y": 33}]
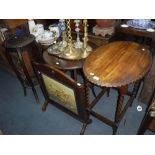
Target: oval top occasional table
[
  {"x": 63, "y": 64},
  {"x": 118, "y": 64},
  {"x": 66, "y": 64}
]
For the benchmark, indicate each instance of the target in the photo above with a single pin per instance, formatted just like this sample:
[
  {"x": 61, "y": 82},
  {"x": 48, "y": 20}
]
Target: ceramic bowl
[
  {"x": 141, "y": 22},
  {"x": 45, "y": 38}
]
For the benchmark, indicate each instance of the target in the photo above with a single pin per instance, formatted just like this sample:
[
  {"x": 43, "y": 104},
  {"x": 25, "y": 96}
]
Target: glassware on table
[
  {"x": 78, "y": 43},
  {"x": 56, "y": 33},
  {"x": 63, "y": 43}
]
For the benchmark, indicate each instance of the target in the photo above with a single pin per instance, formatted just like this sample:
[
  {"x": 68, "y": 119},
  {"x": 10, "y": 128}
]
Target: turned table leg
[
  {"x": 135, "y": 90},
  {"x": 145, "y": 124},
  {"x": 74, "y": 74},
  {"x": 122, "y": 91}
]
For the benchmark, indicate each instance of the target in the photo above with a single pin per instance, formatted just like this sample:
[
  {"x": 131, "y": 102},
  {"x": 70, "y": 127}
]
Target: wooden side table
[
  {"x": 148, "y": 84},
  {"x": 17, "y": 53},
  {"x": 72, "y": 65},
  {"x": 137, "y": 32},
  {"x": 116, "y": 65},
  {"x": 63, "y": 64}
]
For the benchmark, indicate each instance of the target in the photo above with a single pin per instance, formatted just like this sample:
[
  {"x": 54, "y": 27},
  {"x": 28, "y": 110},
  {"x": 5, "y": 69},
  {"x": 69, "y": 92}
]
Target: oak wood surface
[
  {"x": 62, "y": 63},
  {"x": 134, "y": 31},
  {"x": 117, "y": 63},
  {"x": 66, "y": 64}
]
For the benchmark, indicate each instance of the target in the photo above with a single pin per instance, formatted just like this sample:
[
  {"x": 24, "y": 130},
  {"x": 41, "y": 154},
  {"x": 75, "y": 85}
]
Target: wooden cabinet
[{"x": 13, "y": 23}]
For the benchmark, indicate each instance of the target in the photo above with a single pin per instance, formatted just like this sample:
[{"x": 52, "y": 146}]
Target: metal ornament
[
  {"x": 70, "y": 52},
  {"x": 86, "y": 48}
]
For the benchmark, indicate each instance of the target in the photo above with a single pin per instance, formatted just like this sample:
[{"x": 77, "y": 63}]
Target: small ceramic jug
[
  {"x": 55, "y": 28},
  {"x": 39, "y": 28},
  {"x": 31, "y": 24}
]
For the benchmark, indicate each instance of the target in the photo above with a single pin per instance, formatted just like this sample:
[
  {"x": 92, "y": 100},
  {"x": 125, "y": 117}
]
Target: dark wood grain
[
  {"x": 118, "y": 63},
  {"x": 80, "y": 92},
  {"x": 61, "y": 63},
  {"x": 134, "y": 31}
]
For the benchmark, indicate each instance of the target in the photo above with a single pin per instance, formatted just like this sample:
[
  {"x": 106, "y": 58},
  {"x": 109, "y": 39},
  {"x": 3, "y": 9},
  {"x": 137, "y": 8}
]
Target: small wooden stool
[{"x": 18, "y": 57}]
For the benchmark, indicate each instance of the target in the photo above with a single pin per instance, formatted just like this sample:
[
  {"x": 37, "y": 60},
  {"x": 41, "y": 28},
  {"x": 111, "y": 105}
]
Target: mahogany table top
[
  {"x": 62, "y": 63},
  {"x": 117, "y": 63},
  {"x": 135, "y": 31},
  {"x": 66, "y": 64}
]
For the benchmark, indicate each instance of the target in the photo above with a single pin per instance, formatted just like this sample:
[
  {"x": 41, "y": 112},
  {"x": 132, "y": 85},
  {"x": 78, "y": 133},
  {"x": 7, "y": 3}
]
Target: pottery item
[
  {"x": 39, "y": 28},
  {"x": 55, "y": 29},
  {"x": 45, "y": 38},
  {"x": 31, "y": 25},
  {"x": 105, "y": 22}
]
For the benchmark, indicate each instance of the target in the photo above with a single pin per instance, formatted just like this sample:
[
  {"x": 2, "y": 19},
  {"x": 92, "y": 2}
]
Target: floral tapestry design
[{"x": 60, "y": 93}]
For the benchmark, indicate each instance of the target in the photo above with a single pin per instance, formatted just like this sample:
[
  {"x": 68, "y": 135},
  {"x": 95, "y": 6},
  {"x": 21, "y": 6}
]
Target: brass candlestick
[
  {"x": 70, "y": 52},
  {"x": 86, "y": 48}
]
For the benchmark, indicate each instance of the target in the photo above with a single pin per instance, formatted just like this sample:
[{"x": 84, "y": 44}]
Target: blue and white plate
[{"x": 139, "y": 25}]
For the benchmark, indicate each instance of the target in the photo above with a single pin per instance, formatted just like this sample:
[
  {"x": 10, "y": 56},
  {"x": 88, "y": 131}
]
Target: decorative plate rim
[{"x": 151, "y": 25}]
